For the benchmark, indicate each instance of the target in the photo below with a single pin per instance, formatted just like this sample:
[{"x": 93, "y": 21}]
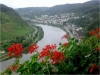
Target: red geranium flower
[
  {"x": 50, "y": 50},
  {"x": 65, "y": 44},
  {"x": 98, "y": 30},
  {"x": 92, "y": 32},
  {"x": 16, "y": 49},
  {"x": 65, "y": 36},
  {"x": 97, "y": 48},
  {"x": 43, "y": 53},
  {"x": 32, "y": 48},
  {"x": 98, "y": 35},
  {"x": 11, "y": 48},
  {"x": 13, "y": 68},
  {"x": 53, "y": 46},
  {"x": 57, "y": 57},
  {"x": 47, "y": 50},
  {"x": 47, "y": 47},
  {"x": 94, "y": 69},
  {"x": 50, "y": 47}
]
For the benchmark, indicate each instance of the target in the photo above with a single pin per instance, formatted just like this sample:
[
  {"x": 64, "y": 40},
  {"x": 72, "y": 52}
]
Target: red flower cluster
[
  {"x": 44, "y": 53},
  {"x": 65, "y": 44},
  {"x": 32, "y": 48},
  {"x": 16, "y": 49},
  {"x": 46, "y": 50},
  {"x": 65, "y": 36},
  {"x": 95, "y": 32},
  {"x": 50, "y": 50},
  {"x": 98, "y": 30},
  {"x": 13, "y": 68},
  {"x": 57, "y": 57},
  {"x": 50, "y": 47},
  {"x": 98, "y": 35},
  {"x": 97, "y": 48},
  {"x": 92, "y": 32},
  {"x": 94, "y": 69}
]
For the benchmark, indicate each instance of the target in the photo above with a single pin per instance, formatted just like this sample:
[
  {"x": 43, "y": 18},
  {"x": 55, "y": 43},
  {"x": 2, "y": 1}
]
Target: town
[
  {"x": 55, "y": 19},
  {"x": 61, "y": 19}
]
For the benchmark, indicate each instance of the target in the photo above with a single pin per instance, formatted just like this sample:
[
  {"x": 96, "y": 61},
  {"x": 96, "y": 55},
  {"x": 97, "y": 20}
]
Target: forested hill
[
  {"x": 60, "y": 9},
  {"x": 31, "y": 11},
  {"x": 11, "y": 22},
  {"x": 73, "y": 8}
]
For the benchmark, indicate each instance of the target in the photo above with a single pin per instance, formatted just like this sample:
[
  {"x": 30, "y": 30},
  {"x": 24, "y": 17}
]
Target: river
[{"x": 52, "y": 35}]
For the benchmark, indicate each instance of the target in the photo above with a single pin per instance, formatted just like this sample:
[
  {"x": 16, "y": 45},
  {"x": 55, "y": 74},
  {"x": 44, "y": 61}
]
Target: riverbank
[{"x": 33, "y": 37}]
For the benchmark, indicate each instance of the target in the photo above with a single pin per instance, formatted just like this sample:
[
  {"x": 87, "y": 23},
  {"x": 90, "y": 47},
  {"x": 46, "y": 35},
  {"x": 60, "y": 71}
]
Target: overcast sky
[{"x": 37, "y": 3}]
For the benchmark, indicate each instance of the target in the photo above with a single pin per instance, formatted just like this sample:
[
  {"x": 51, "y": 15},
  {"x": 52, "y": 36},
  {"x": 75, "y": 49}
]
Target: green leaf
[
  {"x": 40, "y": 72},
  {"x": 76, "y": 41},
  {"x": 21, "y": 68},
  {"x": 34, "y": 58},
  {"x": 83, "y": 62},
  {"x": 47, "y": 58},
  {"x": 75, "y": 69},
  {"x": 54, "y": 69},
  {"x": 9, "y": 72},
  {"x": 71, "y": 39},
  {"x": 16, "y": 62}
]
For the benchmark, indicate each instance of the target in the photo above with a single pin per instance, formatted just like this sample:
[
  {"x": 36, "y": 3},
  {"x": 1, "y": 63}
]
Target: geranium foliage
[{"x": 71, "y": 57}]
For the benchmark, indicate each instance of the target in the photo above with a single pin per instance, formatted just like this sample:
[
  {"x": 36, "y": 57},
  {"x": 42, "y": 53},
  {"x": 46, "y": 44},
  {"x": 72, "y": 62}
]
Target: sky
[{"x": 37, "y": 3}]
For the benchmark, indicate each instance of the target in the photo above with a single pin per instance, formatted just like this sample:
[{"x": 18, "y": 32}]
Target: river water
[{"x": 52, "y": 35}]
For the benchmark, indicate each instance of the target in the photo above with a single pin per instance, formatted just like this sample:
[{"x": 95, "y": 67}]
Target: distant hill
[
  {"x": 73, "y": 8},
  {"x": 11, "y": 23},
  {"x": 31, "y": 11},
  {"x": 59, "y": 9}
]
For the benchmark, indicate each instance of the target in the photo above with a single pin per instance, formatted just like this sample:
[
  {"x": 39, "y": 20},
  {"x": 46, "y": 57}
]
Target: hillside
[
  {"x": 60, "y": 9},
  {"x": 91, "y": 19},
  {"x": 31, "y": 11},
  {"x": 72, "y": 8},
  {"x": 11, "y": 23},
  {"x": 15, "y": 30}
]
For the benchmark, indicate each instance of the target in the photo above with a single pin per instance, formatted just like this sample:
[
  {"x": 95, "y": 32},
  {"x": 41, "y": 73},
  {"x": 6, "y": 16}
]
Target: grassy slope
[{"x": 11, "y": 24}]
